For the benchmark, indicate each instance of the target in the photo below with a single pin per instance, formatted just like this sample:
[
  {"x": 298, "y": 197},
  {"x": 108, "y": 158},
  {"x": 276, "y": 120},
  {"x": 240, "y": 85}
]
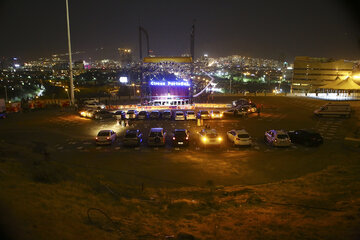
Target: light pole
[
  {"x": 6, "y": 97},
  {"x": 70, "y": 60}
]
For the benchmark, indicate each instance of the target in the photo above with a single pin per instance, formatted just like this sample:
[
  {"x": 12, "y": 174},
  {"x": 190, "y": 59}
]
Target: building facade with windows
[{"x": 311, "y": 73}]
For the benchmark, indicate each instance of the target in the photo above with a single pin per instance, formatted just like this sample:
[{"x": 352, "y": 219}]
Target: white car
[
  {"x": 277, "y": 138},
  {"x": 239, "y": 137},
  {"x": 190, "y": 115},
  {"x": 105, "y": 137},
  {"x": 209, "y": 137},
  {"x": 131, "y": 114},
  {"x": 179, "y": 115},
  {"x": 216, "y": 114},
  {"x": 94, "y": 106}
]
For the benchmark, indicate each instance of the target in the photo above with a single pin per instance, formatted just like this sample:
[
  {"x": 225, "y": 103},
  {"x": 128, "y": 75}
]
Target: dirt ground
[{"x": 254, "y": 194}]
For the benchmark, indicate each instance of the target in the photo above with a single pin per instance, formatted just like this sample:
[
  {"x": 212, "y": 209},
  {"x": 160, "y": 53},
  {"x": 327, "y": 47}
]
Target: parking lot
[{"x": 70, "y": 139}]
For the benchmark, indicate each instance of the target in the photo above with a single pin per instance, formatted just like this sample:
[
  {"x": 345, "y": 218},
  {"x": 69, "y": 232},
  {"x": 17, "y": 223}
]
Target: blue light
[{"x": 168, "y": 83}]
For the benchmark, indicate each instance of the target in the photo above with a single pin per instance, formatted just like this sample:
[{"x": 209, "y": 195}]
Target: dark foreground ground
[{"x": 78, "y": 190}]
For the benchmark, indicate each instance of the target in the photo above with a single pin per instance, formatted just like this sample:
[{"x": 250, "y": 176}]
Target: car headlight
[
  {"x": 219, "y": 139},
  {"x": 204, "y": 139}
]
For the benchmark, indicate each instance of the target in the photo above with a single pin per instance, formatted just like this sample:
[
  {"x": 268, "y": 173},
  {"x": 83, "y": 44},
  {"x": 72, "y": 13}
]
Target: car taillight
[
  {"x": 173, "y": 138},
  {"x": 237, "y": 138},
  {"x": 96, "y": 138},
  {"x": 187, "y": 138},
  {"x": 108, "y": 138}
]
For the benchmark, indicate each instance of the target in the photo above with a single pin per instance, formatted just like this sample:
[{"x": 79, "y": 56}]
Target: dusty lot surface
[{"x": 78, "y": 190}]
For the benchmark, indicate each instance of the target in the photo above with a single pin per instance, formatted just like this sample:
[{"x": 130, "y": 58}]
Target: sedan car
[
  {"x": 133, "y": 138},
  {"x": 209, "y": 137},
  {"x": 131, "y": 114},
  {"x": 203, "y": 114},
  {"x": 277, "y": 138},
  {"x": 306, "y": 137},
  {"x": 239, "y": 137},
  {"x": 105, "y": 137},
  {"x": 190, "y": 115},
  {"x": 179, "y": 115},
  {"x": 181, "y": 137},
  {"x": 155, "y": 115},
  {"x": 166, "y": 115},
  {"x": 143, "y": 115},
  {"x": 102, "y": 114},
  {"x": 216, "y": 114},
  {"x": 119, "y": 115}
]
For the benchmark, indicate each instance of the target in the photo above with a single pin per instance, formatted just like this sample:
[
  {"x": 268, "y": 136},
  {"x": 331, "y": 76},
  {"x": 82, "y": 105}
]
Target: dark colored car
[
  {"x": 166, "y": 115},
  {"x": 119, "y": 115},
  {"x": 181, "y": 137},
  {"x": 133, "y": 138},
  {"x": 155, "y": 115},
  {"x": 102, "y": 114},
  {"x": 306, "y": 137},
  {"x": 143, "y": 115}
]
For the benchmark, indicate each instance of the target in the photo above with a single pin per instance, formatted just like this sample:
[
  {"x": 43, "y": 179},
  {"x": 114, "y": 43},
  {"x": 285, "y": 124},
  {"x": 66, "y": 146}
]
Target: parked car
[
  {"x": 157, "y": 137},
  {"x": 131, "y": 114},
  {"x": 166, "y": 115},
  {"x": 119, "y": 115},
  {"x": 216, "y": 114},
  {"x": 90, "y": 113},
  {"x": 94, "y": 105},
  {"x": 277, "y": 138},
  {"x": 190, "y": 115},
  {"x": 102, "y": 114},
  {"x": 236, "y": 112},
  {"x": 181, "y": 137},
  {"x": 239, "y": 137},
  {"x": 179, "y": 115},
  {"x": 209, "y": 137},
  {"x": 105, "y": 137},
  {"x": 133, "y": 138},
  {"x": 306, "y": 137},
  {"x": 203, "y": 114},
  {"x": 155, "y": 115},
  {"x": 143, "y": 115}
]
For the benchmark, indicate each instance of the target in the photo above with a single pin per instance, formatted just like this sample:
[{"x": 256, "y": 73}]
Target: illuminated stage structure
[
  {"x": 169, "y": 93},
  {"x": 165, "y": 80}
]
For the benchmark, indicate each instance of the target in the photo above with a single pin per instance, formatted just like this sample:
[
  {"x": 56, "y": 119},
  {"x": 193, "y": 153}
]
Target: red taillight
[
  {"x": 174, "y": 138},
  {"x": 96, "y": 139},
  {"x": 237, "y": 138},
  {"x": 108, "y": 138},
  {"x": 187, "y": 138}
]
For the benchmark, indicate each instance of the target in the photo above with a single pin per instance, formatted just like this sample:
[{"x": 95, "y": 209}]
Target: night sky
[{"x": 272, "y": 29}]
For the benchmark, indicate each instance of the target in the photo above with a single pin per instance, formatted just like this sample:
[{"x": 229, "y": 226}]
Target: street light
[
  {"x": 6, "y": 97},
  {"x": 70, "y": 60}
]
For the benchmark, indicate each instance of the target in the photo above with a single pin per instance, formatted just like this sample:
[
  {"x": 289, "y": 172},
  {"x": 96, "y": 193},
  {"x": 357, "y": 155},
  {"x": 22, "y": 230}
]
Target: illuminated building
[
  {"x": 125, "y": 56},
  {"x": 311, "y": 73}
]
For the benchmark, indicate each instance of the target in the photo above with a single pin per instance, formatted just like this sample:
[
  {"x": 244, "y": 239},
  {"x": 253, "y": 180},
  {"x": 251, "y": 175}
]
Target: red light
[
  {"x": 108, "y": 138},
  {"x": 187, "y": 138},
  {"x": 173, "y": 138},
  {"x": 96, "y": 138}
]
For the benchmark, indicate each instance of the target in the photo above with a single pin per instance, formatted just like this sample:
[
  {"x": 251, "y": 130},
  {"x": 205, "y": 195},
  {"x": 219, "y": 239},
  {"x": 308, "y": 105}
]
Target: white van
[{"x": 334, "y": 110}]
